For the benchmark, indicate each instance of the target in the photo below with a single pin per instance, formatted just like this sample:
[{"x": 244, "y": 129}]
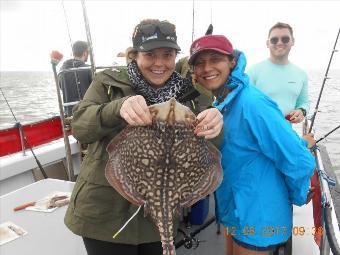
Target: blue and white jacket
[{"x": 267, "y": 166}]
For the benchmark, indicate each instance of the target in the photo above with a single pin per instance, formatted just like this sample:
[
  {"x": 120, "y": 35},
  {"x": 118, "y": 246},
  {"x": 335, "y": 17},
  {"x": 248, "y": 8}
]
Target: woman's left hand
[{"x": 210, "y": 123}]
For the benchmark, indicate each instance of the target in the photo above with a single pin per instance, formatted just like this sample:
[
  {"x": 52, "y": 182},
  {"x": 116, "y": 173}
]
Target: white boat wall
[{"x": 19, "y": 163}]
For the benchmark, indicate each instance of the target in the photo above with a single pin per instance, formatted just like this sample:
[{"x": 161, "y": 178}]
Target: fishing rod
[
  {"x": 67, "y": 26},
  {"x": 210, "y": 29},
  {"x": 330, "y": 132},
  {"x": 71, "y": 45},
  {"x": 88, "y": 36},
  {"x": 193, "y": 21},
  {"x": 323, "y": 84},
  {"x": 18, "y": 124}
]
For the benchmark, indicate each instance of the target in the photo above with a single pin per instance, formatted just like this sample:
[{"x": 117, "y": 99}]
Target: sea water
[{"x": 32, "y": 96}]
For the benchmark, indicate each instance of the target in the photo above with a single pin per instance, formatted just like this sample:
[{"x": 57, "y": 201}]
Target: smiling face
[
  {"x": 212, "y": 69},
  {"x": 157, "y": 65},
  {"x": 277, "y": 44}
]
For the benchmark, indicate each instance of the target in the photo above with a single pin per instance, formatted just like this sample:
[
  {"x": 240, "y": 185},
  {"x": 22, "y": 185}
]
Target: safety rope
[{"x": 127, "y": 222}]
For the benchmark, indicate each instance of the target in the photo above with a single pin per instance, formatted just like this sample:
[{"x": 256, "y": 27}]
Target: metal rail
[{"x": 331, "y": 235}]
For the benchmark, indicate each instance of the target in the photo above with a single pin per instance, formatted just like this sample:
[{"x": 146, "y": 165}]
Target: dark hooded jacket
[
  {"x": 74, "y": 83},
  {"x": 97, "y": 210}
]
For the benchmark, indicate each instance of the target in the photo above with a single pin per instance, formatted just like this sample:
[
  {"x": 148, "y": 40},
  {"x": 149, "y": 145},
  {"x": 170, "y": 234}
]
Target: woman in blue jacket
[{"x": 267, "y": 166}]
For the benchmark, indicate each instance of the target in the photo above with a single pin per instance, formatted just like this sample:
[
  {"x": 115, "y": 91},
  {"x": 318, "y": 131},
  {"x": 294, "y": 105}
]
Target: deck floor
[{"x": 213, "y": 243}]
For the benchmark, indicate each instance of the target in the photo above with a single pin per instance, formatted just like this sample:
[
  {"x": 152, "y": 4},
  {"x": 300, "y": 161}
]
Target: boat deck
[{"x": 212, "y": 243}]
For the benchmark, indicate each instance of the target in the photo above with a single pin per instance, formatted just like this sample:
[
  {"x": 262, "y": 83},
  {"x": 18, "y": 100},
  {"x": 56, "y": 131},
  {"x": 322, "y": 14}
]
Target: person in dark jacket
[
  {"x": 75, "y": 83},
  {"x": 118, "y": 97}
]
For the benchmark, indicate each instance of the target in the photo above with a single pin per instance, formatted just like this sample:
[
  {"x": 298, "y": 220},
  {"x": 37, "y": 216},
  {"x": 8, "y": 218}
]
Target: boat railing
[
  {"x": 21, "y": 134},
  {"x": 331, "y": 232},
  {"x": 71, "y": 103},
  {"x": 83, "y": 68},
  {"x": 77, "y": 69},
  {"x": 22, "y": 137}
]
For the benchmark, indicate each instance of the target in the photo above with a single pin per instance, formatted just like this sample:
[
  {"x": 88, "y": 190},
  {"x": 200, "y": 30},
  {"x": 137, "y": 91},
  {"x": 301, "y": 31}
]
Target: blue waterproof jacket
[{"x": 267, "y": 166}]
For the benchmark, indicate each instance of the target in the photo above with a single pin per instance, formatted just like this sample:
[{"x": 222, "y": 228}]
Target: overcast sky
[{"x": 31, "y": 29}]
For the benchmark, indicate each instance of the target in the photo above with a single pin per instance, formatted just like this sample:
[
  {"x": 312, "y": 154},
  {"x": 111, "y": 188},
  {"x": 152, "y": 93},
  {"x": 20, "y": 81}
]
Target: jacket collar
[
  {"x": 119, "y": 75},
  {"x": 237, "y": 81}
]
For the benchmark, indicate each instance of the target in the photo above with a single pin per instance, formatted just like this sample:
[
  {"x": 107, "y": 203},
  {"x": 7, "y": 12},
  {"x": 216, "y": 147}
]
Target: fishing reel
[{"x": 189, "y": 241}]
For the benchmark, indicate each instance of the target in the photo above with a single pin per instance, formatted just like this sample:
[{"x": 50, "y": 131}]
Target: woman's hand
[
  {"x": 210, "y": 123},
  {"x": 135, "y": 111}
]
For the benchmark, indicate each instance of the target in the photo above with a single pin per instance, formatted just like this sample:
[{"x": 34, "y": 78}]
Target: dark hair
[
  {"x": 230, "y": 57},
  {"x": 281, "y": 25},
  {"x": 78, "y": 48}
]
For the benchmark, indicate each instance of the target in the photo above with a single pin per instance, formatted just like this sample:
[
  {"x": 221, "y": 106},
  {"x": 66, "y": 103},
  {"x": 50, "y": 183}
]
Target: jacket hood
[{"x": 237, "y": 80}]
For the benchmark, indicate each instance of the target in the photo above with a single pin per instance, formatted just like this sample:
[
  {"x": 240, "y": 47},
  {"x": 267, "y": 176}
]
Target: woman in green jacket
[{"x": 118, "y": 97}]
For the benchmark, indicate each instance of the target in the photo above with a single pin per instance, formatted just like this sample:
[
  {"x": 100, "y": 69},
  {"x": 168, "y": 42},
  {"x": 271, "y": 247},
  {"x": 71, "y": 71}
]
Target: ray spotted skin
[{"x": 164, "y": 166}]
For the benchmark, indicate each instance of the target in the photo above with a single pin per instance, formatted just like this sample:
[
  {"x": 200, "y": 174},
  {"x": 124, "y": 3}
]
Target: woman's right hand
[
  {"x": 135, "y": 111},
  {"x": 210, "y": 123}
]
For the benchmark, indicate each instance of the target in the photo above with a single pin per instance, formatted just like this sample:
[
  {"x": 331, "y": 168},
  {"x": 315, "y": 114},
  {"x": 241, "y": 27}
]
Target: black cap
[{"x": 158, "y": 34}]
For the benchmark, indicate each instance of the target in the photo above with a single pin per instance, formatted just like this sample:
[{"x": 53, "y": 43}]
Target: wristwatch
[{"x": 303, "y": 112}]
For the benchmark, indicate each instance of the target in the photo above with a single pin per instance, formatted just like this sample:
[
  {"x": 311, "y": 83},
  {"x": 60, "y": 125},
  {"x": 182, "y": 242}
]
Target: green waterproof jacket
[{"x": 97, "y": 210}]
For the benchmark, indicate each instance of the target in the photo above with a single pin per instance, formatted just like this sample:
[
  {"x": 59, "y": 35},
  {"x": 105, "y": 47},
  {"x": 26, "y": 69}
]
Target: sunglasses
[
  {"x": 284, "y": 39},
  {"x": 164, "y": 27}
]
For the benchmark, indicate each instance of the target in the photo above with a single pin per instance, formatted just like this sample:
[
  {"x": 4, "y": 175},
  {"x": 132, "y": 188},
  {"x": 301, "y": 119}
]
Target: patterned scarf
[{"x": 175, "y": 86}]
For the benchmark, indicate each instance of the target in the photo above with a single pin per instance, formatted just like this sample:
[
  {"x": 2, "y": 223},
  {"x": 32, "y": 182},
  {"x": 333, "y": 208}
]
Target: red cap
[{"x": 219, "y": 43}]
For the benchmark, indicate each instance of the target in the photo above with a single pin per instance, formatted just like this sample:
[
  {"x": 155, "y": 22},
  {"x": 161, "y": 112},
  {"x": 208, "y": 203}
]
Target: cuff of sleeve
[
  {"x": 110, "y": 114},
  {"x": 304, "y": 142},
  {"x": 304, "y": 112},
  {"x": 301, "y": 199}
]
